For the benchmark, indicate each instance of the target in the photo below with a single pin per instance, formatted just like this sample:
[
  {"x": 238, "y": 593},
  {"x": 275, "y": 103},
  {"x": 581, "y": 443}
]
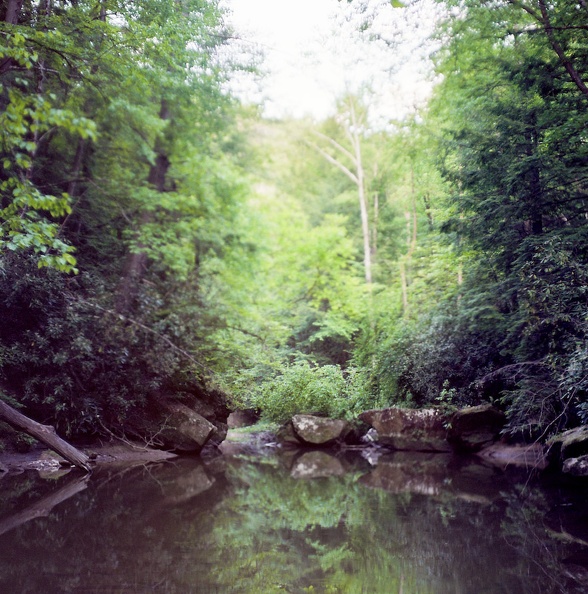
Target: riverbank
[{"x": 44, "y": 460}]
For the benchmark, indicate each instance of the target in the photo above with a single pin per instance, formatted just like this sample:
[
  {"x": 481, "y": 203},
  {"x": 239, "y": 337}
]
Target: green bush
[
  {"x": 300, "y": 388},
  {"x": 71, "y": 362}
]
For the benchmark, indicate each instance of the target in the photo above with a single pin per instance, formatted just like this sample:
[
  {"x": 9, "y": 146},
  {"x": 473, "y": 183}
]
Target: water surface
[{"x": 412, "y": 524}]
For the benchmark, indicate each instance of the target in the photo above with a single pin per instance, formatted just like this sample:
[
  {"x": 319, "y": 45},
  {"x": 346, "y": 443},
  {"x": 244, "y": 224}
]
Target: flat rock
[
  {"x": 319, "y": 431},
  {"x": 569, "y": 444},
  {"x": 576, "y": 466},
  {"x": 472, "y": 428},
  {"x": 420, "y": 430}
]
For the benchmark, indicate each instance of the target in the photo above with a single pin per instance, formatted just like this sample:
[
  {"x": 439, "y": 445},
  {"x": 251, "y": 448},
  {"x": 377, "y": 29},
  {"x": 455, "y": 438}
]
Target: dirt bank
[{"x": 45, "y": 460}]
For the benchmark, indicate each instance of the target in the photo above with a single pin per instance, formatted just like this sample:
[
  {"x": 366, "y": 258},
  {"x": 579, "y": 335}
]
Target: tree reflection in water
[{"x": 413, "y": 524}]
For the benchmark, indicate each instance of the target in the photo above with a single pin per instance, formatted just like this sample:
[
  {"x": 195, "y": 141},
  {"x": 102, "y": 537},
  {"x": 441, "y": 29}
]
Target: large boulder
[
  {"x": 421, "y": 430},
  {"x": 569, "y": 444},
  {"x": 242, "y": 418},
  {"x": 212, "y": 405},
  {"x": 286, "y": 436},
  {"x": 576, "y": 466},
  {"x": 319, "y": 431},
  {"x": 475, "y": 427},
  {"x": 185, "y": 423},
  {"x": 183, "y": 429}
]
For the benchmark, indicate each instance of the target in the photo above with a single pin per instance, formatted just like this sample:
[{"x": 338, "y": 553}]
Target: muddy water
[{"x": 294, "y": 523}]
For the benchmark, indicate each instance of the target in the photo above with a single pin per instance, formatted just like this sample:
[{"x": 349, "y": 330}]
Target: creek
[{"x": 276, "y": 521}]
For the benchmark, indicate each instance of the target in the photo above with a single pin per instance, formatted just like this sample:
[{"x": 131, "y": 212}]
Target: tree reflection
[{"x": 253, "y": 527}]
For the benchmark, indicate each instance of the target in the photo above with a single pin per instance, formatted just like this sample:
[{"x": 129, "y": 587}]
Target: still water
[{"x": 409, "y": 524}]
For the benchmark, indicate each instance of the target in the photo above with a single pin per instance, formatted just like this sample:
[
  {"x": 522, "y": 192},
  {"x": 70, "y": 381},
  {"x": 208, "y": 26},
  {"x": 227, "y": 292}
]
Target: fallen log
[{"x": 45, "y": 434}]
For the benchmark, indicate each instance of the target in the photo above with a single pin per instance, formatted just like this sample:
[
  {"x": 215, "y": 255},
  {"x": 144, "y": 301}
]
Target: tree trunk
[
  {"x": 403, "y": 286},
  {"x": 45, "y": 434},
  {"x": 363, "y": 206},
  {"x": 136, "y": 262},
  {"x": 12, "y": 11},
  {"x": 365, "y": 224},
  {"x": 11, "y": 18}
]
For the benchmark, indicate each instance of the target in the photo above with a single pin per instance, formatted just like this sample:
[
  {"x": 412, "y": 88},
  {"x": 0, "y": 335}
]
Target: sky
[{"x": 313, "y": 54}]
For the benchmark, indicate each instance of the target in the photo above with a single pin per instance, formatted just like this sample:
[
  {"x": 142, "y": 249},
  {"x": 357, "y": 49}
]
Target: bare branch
[
  {"x": 335, "y": 144},
  {"x": 335, "y": 162}
]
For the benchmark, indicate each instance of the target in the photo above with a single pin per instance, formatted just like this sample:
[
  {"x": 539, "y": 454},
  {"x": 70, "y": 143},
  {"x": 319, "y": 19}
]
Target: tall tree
[
  {"x": 352, "y": 118},
  {"x": 517, "y": 164}
]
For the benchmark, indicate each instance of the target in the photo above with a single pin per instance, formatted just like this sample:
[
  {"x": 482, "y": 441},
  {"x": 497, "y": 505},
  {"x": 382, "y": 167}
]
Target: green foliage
[
  {"x": 84, "y": 124},
  {"x": 505, "y": 319},
  {"x": 300, "y": 388},
  {"x": 248, "y": 258},
  {"x": 27, "y": 215}
]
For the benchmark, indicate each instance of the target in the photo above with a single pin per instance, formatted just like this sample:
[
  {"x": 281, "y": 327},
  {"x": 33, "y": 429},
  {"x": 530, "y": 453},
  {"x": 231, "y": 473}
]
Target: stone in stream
[
  {"x": 319, "y": 431},
  {"x": 286, "y": 435},
  {"x": 576, "y": 466},
  {"x": 421, "y": 430},
  {"x": 185, "y": 430},
  {"x": 569, "y": 444},
  {"x": 183, "y": 426},
  {"x": 176, "y": 427},
  {"x": 475, "y": 427}
]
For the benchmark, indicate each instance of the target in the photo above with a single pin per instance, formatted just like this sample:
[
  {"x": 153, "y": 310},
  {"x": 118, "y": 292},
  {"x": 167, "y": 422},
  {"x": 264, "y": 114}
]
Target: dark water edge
[{"x": 295, "y": 522}]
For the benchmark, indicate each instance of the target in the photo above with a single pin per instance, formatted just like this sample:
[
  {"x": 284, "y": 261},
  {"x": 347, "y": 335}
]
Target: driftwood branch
[{"x": 45, "y": 434}]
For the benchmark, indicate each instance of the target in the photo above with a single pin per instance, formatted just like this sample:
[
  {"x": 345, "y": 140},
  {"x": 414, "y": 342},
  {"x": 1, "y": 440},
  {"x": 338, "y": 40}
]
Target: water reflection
[{"x": 297, "y": 522}]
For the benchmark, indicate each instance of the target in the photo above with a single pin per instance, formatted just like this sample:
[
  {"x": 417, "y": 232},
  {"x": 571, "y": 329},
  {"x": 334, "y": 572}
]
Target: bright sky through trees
[{"x": 314, "y": 54}]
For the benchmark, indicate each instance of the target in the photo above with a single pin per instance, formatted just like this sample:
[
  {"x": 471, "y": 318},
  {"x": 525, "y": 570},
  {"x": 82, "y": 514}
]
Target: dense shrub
[
  {"x": 72, "y": 362},
  {"x": 301, "y": 388}
]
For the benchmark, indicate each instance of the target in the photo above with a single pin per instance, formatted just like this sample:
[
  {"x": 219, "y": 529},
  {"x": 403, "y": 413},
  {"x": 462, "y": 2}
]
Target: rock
[
  {"x": 242, "y": 418},
  {"x": 422, "y": 430},
  {"x": 569, "y": 444},
  {"x": 472, "y": 428},
  {"x": 176, "y": 427},
  {"x": 184, "y": 424},
  {"x": 370, "y": 437},
  {"x": 316, "y": 464},
  {"x": 504, "y": 455},
  {"x": 319, "y": 431},
  {"x": 183, "y": 429},
  {"x": 286, "y": 435},
  {"x": 212, "y": 405},
  {"x": 576, "y": 466}
]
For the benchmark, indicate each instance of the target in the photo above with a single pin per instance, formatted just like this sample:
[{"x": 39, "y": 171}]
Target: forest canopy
[{"x": 160, "y": 239}]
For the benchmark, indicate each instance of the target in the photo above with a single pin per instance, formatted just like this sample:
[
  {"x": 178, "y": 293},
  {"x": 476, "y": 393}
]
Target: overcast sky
[{"x": 313, "y": 54}]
